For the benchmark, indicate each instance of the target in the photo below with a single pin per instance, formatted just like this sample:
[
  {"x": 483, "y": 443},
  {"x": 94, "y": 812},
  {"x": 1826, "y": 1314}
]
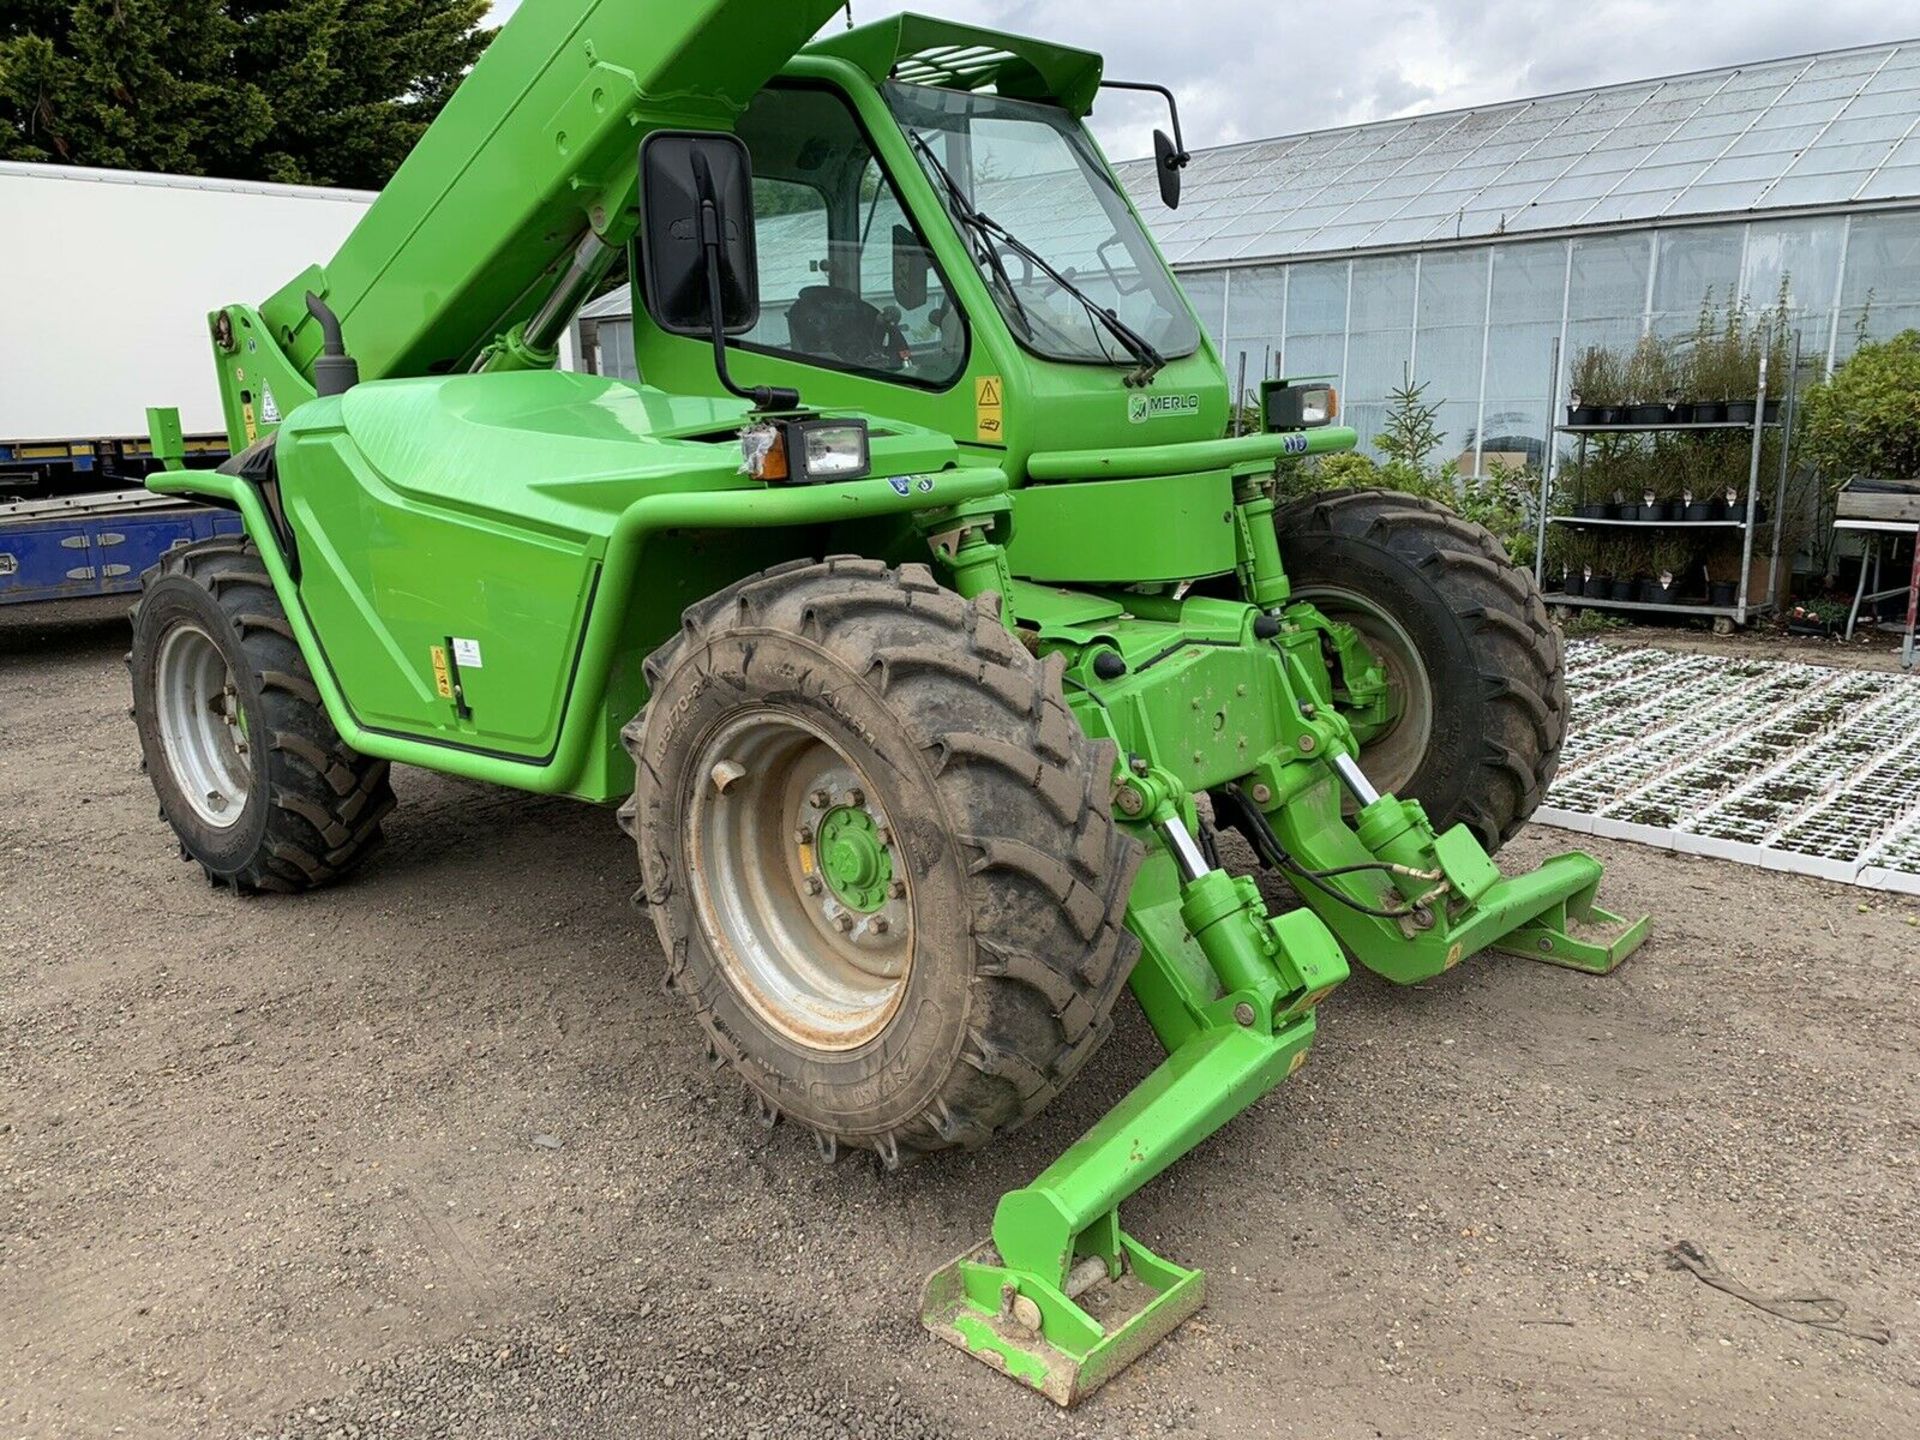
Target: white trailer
[{"x": 106, "y": 281}]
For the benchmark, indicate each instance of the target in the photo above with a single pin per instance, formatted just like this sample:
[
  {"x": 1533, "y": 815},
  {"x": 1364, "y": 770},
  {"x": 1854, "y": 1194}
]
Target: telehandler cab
[{"x": 908, "y": 610}]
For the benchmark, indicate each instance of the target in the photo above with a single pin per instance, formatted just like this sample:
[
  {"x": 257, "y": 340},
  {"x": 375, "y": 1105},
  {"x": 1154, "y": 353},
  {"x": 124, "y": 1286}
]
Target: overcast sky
[{"x": 1250, "y": 69}]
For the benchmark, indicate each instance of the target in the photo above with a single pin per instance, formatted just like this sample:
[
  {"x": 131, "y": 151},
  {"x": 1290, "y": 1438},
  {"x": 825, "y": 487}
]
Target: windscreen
[{"x": 1032, "y": 169}]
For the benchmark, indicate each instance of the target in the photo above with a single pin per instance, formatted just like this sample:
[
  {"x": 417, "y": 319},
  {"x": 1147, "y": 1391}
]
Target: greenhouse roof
[{"x": 1816, "y": 132}]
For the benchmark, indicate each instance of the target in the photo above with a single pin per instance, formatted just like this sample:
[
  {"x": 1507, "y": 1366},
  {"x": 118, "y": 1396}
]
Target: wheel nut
[
  {"x": 819, "y": 799},
  {"x": 812, "y": 885},
  {"x": 856, "y": 798},
  {"x": 843, "y": 922},
  {"x": 880, "y": 925},
  {"x": 803, "y": 835},
  {"x": 898, "y": 890}
]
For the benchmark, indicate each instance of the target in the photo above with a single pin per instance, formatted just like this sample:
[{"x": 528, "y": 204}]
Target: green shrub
[{"x": 1866, "y": 419}]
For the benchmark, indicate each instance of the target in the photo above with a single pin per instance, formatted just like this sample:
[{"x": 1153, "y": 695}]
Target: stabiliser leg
[
  {"x": 1206, "y": 696},
  {"x": 1062, "y": 1298}
]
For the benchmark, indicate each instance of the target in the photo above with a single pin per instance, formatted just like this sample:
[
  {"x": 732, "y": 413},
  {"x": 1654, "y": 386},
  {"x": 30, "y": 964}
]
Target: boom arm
[{"x": 487, "y": 222}]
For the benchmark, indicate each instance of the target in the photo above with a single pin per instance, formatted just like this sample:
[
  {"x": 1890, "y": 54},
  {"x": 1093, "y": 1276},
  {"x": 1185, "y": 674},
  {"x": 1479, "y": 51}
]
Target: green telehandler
[{"x": 919, "y": 612}]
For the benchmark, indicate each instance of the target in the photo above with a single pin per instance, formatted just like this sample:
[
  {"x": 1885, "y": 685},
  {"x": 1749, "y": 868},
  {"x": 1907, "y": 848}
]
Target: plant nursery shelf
[
  {"x": 1587, "y": 602},
  {"x": 1653, "y": 524},
  {"x": 1746, "y": 425}
]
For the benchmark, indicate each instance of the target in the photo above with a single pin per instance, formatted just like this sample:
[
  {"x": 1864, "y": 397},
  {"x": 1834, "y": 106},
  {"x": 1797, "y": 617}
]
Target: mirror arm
[
  {"x": 1180, "y": 156},
  {"x": 712, "y": 229}
]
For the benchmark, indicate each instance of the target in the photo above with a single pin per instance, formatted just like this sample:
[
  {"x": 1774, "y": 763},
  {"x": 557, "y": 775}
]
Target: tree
[{"x": 325, "y": 92}]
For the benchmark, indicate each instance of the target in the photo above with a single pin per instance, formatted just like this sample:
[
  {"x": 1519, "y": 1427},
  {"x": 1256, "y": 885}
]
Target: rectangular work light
[
  {"x": 1299, "y": 404},
  {"x": 808, "y": 452}
]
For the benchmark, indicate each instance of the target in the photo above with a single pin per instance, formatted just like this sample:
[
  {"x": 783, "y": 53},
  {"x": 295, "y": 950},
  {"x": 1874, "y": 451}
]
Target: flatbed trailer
[{"x": 81, "y": 546}]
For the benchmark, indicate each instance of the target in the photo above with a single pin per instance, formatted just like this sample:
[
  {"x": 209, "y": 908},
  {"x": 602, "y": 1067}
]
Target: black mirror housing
[
  {"x": 1170, "y": 164},
  {"x": 679, "y": 173},
  {"x": 912, "y": 268}
]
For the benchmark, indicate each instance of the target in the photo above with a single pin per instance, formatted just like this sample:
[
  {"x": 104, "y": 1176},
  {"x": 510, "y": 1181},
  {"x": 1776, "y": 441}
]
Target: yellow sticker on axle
[
  {"x": 442, "y": 676},
  {"x": 989, "y": 398}
]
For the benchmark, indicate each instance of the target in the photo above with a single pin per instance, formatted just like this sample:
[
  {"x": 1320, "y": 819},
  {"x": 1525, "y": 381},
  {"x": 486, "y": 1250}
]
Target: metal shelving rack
[{"x": 1725, "y": 617}]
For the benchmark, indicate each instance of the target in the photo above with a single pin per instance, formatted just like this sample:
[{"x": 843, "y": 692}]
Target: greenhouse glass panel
[
  {"x": 1797, "y": 191},
  {"x": 1694, "y": 264},
  {"x": 1307, "y": 356},
  {"x": 1448, "y": 360},
  {"x": 1453, "y": 288},
  {"x": 1895, "y": 182},
  {"x": 1382, "y": 294},
  {"x": 1256, "y": 312},
  {"x": 1518, "y": 357},
  {"x": 1377, "y": 362},
  {"x": 1317, "y": 299},
  {"x": 1208, "y": 291},
  {"x": 1883, "y": 277}
]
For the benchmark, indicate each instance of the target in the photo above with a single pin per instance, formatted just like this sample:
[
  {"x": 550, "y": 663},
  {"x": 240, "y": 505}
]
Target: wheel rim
[
  {"x": 797, "y": 880},
  {"x": 1392, "y": 758},
  {"x": 203, "y": 728}
]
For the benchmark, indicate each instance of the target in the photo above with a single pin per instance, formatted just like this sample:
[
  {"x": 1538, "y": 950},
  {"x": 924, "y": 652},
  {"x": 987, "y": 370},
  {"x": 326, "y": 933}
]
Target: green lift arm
[{"x": 516, "y": 201}]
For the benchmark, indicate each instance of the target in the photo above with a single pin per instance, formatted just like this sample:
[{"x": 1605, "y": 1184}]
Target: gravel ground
[{"x": 432, "y": 1155}]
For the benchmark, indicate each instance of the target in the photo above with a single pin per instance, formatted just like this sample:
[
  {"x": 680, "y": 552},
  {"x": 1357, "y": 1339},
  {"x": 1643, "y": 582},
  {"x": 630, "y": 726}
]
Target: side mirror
[
  {"x": 911, "y": 268},
  {"x": 695, "y": 188},
  {"x": 1170, "y": 162}
]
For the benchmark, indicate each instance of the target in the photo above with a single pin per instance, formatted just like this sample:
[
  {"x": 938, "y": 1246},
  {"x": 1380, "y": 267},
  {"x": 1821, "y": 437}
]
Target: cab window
[{"x": 846, "y": 281}]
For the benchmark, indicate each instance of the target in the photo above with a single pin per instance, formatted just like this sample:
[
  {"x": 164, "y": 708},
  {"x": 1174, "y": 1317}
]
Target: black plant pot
[
  {"x": 1629, "y": 512},
  {"x": 1626, "y": 589},
  {"x": 1592, "y": 512},
  {"x": 1647, "y": 414},
  {"x": 1809, "y": 627},
  {"x": 1740, "y": 412},
  {"x": 1583, "y": 414},
  {"x": 1709, "y": 412},
  {"x": 1599, "y": 587},
  {"x": 1773, "y": 412},
  {"x": 1654, "y": 593},
  {"x": 1680, "y": 414},
  {"x": 1574, "y": 585},
  {"x": 1659, "y": 510},
  {"x": 1699, "y": 511},
  {"x": 1722, "y": 594},
  {"x": 1735, "y": 512},
  {"x": 1614, "y": 415}
]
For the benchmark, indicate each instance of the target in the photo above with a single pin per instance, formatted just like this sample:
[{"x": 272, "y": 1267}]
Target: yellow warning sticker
[
  {"x": 988, "y": 399},
  {"x": 442, "y": 676}
]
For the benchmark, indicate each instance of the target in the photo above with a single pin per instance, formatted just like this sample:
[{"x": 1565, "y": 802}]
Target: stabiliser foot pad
[{"x": 1064, "y": 1345}]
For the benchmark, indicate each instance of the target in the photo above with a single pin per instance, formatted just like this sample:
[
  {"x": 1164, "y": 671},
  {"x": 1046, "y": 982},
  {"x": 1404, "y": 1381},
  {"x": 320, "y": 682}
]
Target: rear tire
[
  {"x": 942, "y": 952},
  {"x": 1467, "y": 638},
  {"x": 251, "y": 774}
]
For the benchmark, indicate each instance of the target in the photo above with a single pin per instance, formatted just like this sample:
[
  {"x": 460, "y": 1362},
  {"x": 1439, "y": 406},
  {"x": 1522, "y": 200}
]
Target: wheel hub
[
  {"x": 855, "y": 859},
  {"x": 203, "y": 727},
  {"x": 797, "y": 882}
]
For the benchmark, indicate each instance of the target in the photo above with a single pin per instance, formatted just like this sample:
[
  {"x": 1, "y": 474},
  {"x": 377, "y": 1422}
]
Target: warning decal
[
  {"x": 442, "y": 676},
  {"x": 988, "y": 399}
]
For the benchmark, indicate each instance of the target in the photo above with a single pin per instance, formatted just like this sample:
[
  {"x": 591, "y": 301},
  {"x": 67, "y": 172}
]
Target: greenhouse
[{"x": 1464, "y": 250}]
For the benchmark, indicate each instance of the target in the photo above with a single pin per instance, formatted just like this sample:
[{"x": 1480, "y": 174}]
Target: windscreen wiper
[
  {"x": 963, "y": 209},
  {"x": 990, "y": 234}
]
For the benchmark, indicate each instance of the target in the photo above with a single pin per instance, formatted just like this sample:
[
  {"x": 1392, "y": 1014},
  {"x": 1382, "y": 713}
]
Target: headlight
[
  {"x": 1299, "y": 405},
  {"x": 832, "y": 450},
  {"x": 806, "y": 451}
]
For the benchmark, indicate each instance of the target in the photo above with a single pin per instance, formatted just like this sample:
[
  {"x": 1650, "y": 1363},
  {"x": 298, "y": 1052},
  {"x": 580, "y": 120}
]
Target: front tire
[
  {"x": 881, "y": 856},
  {"x": 251, "y": 774},
  {"x": 1475, "y": 662}
]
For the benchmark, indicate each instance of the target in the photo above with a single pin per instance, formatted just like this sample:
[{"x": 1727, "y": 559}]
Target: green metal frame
[{"x": 562, "y": 523}]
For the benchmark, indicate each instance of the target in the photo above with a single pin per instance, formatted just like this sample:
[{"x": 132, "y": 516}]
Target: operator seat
[{"x": 826, "y": 320}]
